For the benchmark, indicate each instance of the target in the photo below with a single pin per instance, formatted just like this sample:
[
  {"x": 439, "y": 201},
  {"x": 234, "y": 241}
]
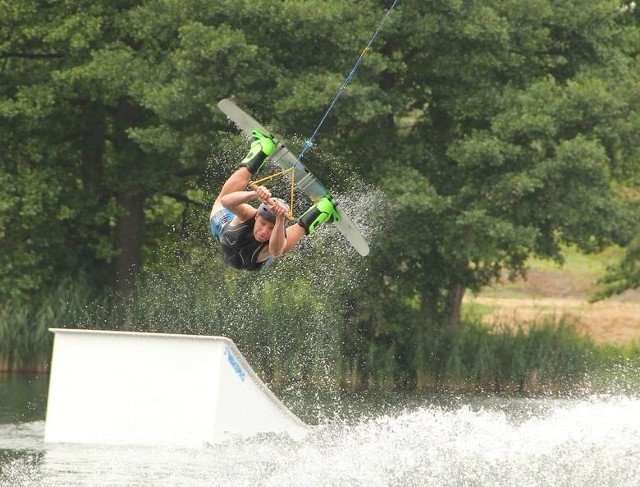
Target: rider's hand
[
  {"x": 262, "y": 193},
  {"x": 279, "y": 209}
]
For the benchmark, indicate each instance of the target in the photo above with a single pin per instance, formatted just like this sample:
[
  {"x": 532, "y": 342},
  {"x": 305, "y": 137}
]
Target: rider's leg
[{"x": 323, "y": 211}]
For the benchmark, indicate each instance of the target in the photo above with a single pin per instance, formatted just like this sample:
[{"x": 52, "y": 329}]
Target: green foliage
[
  {"x": 623, "y": 275},
  {"x": 492, "y": 131},
  {"x": 512, "y": 146}
]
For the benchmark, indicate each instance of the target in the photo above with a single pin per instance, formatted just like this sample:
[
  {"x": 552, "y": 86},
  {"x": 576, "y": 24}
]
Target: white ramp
[{"x": 157, "y": 389}]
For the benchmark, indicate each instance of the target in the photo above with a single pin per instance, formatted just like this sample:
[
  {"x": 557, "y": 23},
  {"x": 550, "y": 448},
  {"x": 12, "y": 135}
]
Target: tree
[
  {"x": 105, "y": 105},
  {"x": 501, "y": 143}
]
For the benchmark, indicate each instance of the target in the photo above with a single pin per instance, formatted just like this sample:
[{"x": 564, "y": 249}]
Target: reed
[
  {"x": 616, "y": 370},
  {"x": 25, "y": 342},
  {"x": 548, "y": 356},
  {"x": 292, "y": 334}
]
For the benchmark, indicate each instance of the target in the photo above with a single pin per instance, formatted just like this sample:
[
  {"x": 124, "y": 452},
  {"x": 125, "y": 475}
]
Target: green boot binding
[
  {"x": 262, "y": 147},
  {"x": 323, "y": 211}
]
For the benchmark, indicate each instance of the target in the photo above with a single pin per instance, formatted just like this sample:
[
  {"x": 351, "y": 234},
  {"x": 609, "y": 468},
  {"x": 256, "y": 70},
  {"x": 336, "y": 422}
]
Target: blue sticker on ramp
[{"x": 234, "y": 363}]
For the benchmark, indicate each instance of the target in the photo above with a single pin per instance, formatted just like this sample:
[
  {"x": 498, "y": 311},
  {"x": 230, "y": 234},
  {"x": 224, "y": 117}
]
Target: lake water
[{"x": 356, "y": 441}]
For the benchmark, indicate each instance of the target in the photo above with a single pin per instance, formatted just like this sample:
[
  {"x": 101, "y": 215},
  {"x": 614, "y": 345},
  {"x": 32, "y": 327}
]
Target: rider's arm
[
  {"x": 294, "y": 235},
  {"x": 237, "y": 203},
  {"x": 278, "y": 240}
]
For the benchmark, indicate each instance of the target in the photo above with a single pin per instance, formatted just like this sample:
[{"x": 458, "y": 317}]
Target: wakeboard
[{"x": 304, "y": 179}]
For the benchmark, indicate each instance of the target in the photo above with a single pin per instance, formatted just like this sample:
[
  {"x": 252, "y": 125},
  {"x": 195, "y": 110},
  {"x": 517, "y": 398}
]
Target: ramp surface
[{"x": 112, "y": 387}]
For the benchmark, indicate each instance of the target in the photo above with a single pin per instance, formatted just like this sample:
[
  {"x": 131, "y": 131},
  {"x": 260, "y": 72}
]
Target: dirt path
[{"x": 555, "y": 294}]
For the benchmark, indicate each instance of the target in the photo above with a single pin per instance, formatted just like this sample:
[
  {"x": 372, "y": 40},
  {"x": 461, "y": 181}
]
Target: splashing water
[
  {"x": 264, "y": 313},
  {"x": 594, "y": 441}
]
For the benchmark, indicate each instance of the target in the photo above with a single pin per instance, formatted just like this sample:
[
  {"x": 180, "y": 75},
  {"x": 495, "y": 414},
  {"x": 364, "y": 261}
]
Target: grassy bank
[{"x": 290, "y": 341}]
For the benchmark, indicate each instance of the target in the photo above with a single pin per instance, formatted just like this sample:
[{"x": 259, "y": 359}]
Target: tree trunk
[
  {"x": 454, "y": 304},
  {"x": 130, "y": 199},
  {"x": 128, "y": 261}
]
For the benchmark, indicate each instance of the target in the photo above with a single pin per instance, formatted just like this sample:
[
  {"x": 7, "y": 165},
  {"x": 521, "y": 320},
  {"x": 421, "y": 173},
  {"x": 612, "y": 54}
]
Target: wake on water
[{"x": 488, "y": 442}]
